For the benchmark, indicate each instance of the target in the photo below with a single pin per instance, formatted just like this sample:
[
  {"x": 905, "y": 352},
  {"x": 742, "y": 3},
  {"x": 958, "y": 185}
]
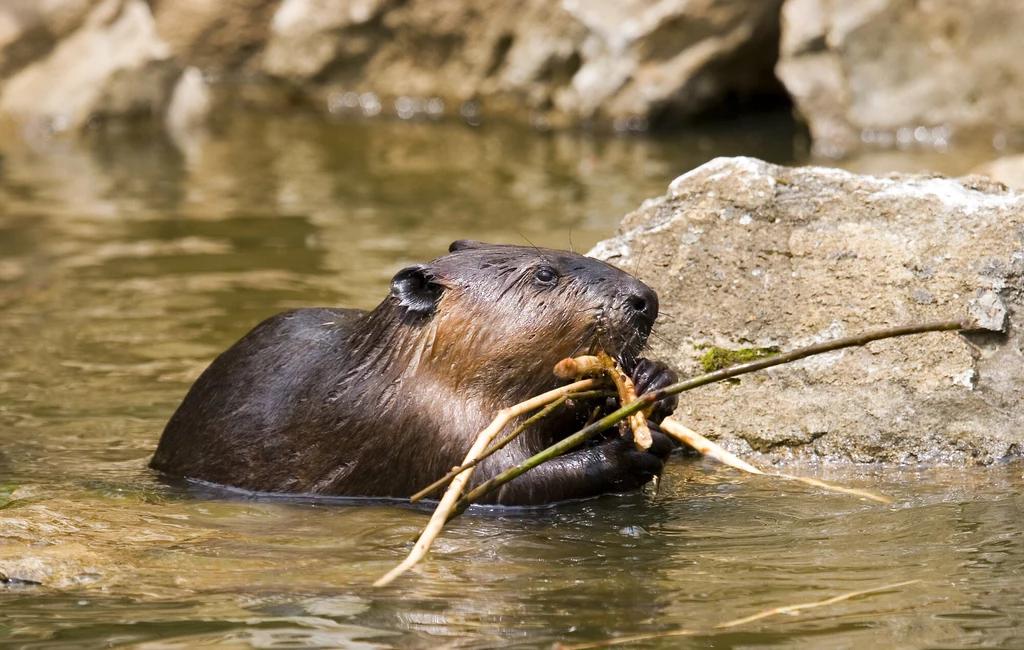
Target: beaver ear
[
  {"x": 466, "y": 245},
  {"x": 416, "y": 290}
]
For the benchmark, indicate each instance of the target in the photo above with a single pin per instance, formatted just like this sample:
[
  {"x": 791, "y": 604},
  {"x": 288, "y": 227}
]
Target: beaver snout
[{"x": 640, "y": 303}]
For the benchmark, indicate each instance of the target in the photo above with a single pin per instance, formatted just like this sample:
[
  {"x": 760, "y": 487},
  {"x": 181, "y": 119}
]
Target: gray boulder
[
  {"x": 897, "y": 72},
  {"x": 750, "y": 257}
]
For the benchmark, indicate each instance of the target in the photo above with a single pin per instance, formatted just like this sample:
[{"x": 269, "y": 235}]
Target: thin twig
[
  {"x": 793, "y": 609},
  {"x": 835, "y": 488},
  {"x": 647, "y": 399},
  {"x": 708, "y": 448},
  {"x": 575, "y": 367},
  {"x": 458, "y": 469},
  {"x": 705, "y": 446},
  {"x": 533, "y": 419},
  {"x": 775, "y": 611},
  {"x": 587, "y": 365},
  {"x": 627, "y": 393},
  {"x": 483, "y": 439},
  {"x": 804, "y": 352}
]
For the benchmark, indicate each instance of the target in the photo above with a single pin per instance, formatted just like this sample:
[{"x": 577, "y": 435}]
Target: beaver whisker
[
  {"x": 588, "y": 339},
  {"x": 640, "y": 255},
  {"x": 534, "y": 246},
  {"x": 627, "y": 360},
  {"x": 625, "y": 348},
  {"x": 631, "y": 348},
  {"x": 658, "y": 335}
]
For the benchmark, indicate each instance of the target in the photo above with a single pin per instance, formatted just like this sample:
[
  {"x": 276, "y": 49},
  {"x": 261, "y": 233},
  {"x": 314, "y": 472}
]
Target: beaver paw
[
  {"x": 651, "y": 375},
  {"x": 634, "y": 467}
]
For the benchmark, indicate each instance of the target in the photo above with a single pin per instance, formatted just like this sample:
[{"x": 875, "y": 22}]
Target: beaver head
[{"x": 490, "y": 319}]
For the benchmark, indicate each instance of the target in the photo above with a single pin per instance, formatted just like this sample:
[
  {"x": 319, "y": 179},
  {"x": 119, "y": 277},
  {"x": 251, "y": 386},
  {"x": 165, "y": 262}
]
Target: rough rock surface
[
  {"x": 878, "y": 70},
  {"x": 623, "y": 63},
  {"x": 745, "y": 254}
]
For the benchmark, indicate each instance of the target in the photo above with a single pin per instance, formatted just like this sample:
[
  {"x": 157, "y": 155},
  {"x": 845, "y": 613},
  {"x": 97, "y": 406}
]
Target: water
[{"x": 126, "y": 265}]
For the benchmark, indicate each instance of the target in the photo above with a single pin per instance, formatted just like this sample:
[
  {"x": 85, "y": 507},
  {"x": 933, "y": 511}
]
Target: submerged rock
[
  {"x": 902, "y": 73},
  {"x": 747, "y": 255}
]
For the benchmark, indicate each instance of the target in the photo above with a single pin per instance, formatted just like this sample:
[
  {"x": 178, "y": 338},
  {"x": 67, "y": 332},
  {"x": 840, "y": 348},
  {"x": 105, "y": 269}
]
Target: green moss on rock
[{"x": 716, "y": 358}]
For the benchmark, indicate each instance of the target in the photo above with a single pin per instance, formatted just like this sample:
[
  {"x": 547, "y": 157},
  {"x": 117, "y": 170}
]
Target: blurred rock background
[{"x": 879, "y": 74}]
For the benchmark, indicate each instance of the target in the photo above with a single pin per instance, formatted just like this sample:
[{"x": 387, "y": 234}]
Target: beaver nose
[{"x": 642, "y": 303}]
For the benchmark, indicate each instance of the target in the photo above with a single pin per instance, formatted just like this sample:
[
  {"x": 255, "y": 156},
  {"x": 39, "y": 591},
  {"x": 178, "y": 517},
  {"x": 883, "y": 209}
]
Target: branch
[
  {"x": 533, "y": 419},
  {"x": 708, "y": 448},
  {"x": 804, "y": 352},
  {"x": 650, "y": 398},
  {"x": 483, "y": 439},
  {"x": 627, "y": 393}
]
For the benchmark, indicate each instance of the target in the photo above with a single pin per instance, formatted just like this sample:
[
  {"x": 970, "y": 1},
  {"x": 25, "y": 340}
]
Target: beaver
[{"x": 345, "y": 402}]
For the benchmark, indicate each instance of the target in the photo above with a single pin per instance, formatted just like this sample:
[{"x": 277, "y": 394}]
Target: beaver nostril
[
  {"x": 642, "y": 303},
  {"x": 637, "y": 304}
]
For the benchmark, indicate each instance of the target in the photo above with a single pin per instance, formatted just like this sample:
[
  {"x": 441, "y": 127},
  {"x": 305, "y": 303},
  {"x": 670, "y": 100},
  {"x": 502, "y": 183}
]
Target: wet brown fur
[{"x": 381, "y": 403}]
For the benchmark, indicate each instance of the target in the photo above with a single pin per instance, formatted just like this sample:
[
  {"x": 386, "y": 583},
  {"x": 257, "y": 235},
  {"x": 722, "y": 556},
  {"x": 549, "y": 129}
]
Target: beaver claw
[{"x": 651, "y": 375}]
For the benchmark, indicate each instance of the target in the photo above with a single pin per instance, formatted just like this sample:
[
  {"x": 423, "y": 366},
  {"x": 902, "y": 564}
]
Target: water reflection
[
  {"x": 141, "y": 563},
  {"x": 127, "y": 265}
]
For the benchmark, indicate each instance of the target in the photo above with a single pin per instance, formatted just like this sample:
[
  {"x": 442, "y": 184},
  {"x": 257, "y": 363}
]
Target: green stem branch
[
  {"x": 533, "y": 419},
  {"x": 650, "y": 398}
]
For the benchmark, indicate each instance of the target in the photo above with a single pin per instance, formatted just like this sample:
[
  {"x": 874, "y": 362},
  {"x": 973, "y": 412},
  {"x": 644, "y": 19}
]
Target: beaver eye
[{"x": 545, "y": 275}]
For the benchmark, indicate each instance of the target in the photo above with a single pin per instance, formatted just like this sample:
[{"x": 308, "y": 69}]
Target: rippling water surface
[{"x": 126, "y": 265}]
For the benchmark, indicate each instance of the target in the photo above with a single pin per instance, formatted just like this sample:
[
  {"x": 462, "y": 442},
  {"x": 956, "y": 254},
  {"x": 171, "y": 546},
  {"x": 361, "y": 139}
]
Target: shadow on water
[{"x": 128, "y": 264}]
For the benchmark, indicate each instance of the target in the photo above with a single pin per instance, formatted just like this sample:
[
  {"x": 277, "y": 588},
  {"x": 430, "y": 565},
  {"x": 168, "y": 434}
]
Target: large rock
[
  {"x": 876, "y": 71},
  {"x": 113, "y": 65},
  {"x": 750, "y": 255},
  {"x": 564, "y": 62}
]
